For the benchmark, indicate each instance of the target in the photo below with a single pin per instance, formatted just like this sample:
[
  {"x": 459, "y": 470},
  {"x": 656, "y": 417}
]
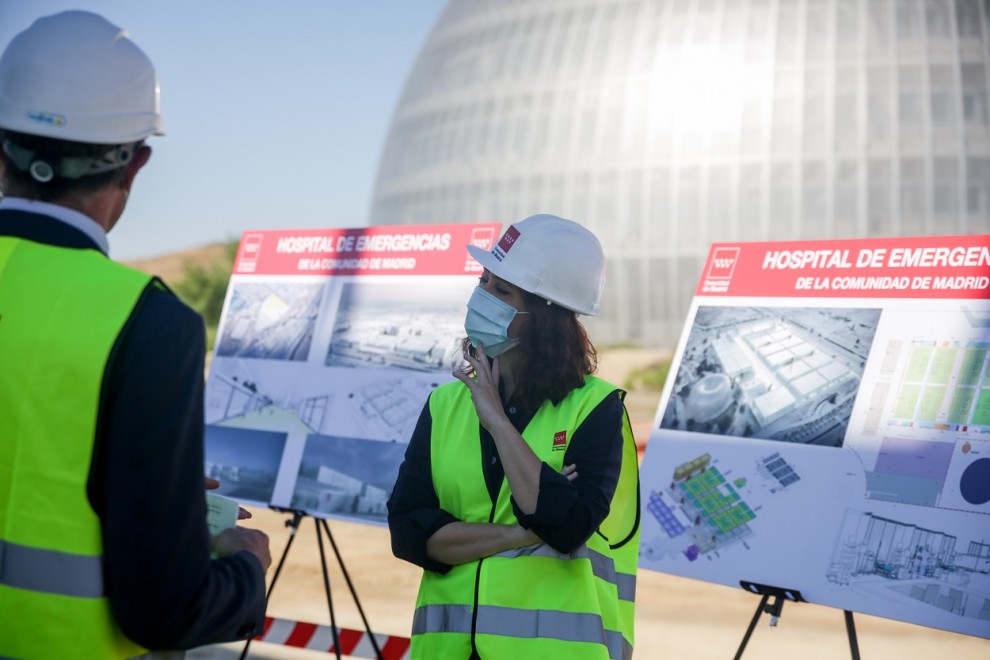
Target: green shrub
[
  {"x": 650, "y": 377},
  {"x": 203, "y": 287}
]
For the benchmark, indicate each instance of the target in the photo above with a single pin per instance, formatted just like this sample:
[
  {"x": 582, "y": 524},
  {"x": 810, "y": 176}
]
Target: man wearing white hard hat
[
  {"x": 518, "y": 495},
  {"x": 104, "y": 546}
]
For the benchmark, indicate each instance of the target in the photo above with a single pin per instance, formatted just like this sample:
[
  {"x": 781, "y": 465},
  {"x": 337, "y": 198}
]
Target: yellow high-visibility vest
[
  {"x": 61, "y": 311},
  {"x": 532, "y": 602}
]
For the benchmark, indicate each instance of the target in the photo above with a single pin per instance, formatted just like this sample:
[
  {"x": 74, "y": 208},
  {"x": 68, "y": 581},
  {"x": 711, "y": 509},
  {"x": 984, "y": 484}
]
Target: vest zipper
[{"x": 477, "y": 588}]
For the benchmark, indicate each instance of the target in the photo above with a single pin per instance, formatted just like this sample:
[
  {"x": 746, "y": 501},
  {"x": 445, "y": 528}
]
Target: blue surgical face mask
[{"x": 487, "y": 322}]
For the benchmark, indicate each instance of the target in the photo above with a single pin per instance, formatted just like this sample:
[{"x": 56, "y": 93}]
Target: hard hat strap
[{"x": 43, "y": 169}]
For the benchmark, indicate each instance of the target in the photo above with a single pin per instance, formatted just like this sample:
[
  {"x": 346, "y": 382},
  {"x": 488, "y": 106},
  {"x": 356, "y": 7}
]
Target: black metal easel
[
  {"x": 775, "y": 608},
  {"x": 293, "y": 525}
]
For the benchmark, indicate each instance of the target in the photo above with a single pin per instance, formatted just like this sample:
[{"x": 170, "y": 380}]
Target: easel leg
[
  {"x": 293, "y": 526},
  {"x": 326, "y": 586},
  {"x": 752, "y": 625},
  {"x": 350, "y": 585},
  {"x": 851, "y": 631}
]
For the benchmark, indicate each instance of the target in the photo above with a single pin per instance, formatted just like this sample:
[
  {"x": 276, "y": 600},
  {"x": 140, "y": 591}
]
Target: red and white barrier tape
[{"x": 355, "y": 643}]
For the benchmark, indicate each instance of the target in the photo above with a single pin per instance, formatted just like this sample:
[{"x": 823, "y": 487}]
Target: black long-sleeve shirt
[
  {"x": 567, "y": 513},
  {"x": 146, "y": 477}
]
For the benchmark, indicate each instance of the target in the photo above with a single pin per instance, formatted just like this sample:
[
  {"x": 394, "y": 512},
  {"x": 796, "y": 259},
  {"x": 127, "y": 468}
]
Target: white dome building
[
  {"x": 665, "y": 126},
  {"x": 710, "y": 397}
]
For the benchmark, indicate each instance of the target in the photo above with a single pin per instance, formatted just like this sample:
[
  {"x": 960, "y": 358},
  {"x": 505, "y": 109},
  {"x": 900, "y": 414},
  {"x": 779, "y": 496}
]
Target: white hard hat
[
  {"x": 555, "y": 258},
  {"x": 75, "y": 76}
]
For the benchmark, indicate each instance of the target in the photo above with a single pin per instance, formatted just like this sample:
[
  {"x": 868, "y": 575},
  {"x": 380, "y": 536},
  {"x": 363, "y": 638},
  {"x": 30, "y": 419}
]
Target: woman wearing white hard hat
[{"x": 518, "y": 495}]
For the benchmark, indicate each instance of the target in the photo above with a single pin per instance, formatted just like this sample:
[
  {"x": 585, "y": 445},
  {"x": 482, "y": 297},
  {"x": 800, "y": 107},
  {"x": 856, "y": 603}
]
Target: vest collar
[{"x": 72, "y": 218}]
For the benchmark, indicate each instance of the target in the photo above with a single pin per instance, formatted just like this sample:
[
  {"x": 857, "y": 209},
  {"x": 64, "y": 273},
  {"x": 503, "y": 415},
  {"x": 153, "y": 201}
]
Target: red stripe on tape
[
  {"x": 348, "y": 640},
  {"x": 394, "y": 648},
  {"x": 301, "y": 634}
]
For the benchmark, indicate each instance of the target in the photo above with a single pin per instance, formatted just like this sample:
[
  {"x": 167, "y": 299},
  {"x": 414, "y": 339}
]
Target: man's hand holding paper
[{"x": 222, "y": 514}]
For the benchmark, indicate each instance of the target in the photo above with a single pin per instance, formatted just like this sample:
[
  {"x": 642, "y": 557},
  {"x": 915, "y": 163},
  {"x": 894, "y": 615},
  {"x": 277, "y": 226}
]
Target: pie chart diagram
[{"x": 974, "y": 485}]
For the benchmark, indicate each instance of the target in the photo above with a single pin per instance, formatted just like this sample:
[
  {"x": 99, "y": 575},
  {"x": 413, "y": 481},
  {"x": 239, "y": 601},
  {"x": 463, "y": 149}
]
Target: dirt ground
[{"x": 675, "y": 617}]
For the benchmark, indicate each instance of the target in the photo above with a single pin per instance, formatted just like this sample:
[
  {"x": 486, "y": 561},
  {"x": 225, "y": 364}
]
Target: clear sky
[{"x": 275, "y": 111}]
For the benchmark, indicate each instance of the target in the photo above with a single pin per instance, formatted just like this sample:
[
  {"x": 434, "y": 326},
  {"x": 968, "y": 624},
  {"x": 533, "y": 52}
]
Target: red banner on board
[
  {"x": 379, "y": 250},
  {"x": 914, "y": 267}
]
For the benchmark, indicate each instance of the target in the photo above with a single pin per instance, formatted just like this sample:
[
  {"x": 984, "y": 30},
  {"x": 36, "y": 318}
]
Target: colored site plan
[{"x": 835, "y": 447}]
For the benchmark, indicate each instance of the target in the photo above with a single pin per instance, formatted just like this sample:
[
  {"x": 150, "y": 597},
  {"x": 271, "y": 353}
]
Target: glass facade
[{"x": 666, "y": 125}]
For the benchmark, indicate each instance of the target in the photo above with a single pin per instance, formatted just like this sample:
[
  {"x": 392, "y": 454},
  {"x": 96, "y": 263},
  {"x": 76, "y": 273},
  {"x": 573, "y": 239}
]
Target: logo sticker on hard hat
[
  {"x": 46, "y": 118},
  {"x": 505, "y": 243}
]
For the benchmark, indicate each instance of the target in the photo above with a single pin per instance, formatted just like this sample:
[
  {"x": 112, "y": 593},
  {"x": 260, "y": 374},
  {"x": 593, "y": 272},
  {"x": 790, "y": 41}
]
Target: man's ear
[{"x": 140, "y": 159}]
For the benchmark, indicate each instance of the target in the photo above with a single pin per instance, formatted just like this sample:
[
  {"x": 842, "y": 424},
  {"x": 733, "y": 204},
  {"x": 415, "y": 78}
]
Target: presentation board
[
  {"x": 825, "y": 428},
  {"x": 329, "y": 343}
]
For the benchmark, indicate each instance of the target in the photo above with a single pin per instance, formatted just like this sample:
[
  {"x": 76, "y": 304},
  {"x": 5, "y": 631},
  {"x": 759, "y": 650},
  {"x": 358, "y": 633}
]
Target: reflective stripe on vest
[
  {"x": 602, "y": 566},
  {"x": 523, "y": 624},
  {"x": 53, "y": 572}
]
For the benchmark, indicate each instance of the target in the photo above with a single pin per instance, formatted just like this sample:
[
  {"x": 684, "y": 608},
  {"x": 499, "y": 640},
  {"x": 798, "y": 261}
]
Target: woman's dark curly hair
[{"x": 554, "y": 352}]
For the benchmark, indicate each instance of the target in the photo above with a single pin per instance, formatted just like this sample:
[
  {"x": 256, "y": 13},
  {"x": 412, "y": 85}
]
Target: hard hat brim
[{"x": 491, "y": 264}]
